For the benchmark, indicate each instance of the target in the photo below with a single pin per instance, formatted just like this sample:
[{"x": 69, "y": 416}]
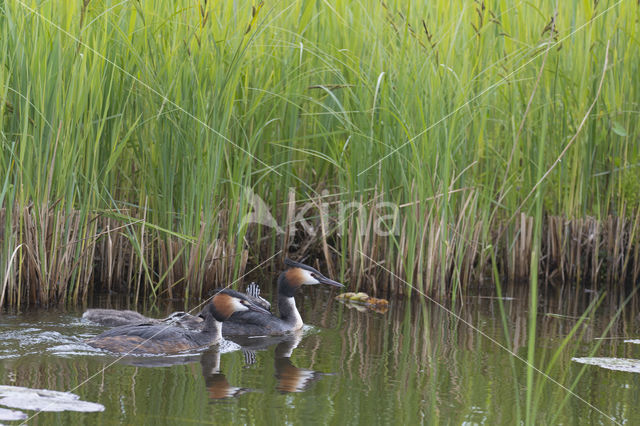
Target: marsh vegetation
[{"x": 134, "y": 133}]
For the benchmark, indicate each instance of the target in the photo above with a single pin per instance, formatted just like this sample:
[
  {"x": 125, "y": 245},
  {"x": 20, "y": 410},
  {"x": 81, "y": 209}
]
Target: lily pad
[
  {"x": 619, "y": 364},
  {"x": 44, "y": 400},
  {"x": 6, "y": 414}
]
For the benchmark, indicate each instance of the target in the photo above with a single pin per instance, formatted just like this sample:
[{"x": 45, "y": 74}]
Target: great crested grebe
[
  {"x": 116, "y": 317},
  {"x": 154, "y": 338},
  {"x": 289, "y": 281}
]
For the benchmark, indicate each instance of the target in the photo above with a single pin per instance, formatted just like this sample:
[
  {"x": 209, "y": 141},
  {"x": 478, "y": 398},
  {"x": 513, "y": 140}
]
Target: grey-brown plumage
[
  {"x": 246, "y": 323},
  {"x": 116, "y": 318},
  {"x": 154, "y": 338}
]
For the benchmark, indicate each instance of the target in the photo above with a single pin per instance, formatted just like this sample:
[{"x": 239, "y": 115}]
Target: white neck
[{"x": 293, "y": 315}]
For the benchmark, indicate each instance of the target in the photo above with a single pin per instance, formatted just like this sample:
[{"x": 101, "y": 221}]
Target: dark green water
[{"x": 415, "y": 364}]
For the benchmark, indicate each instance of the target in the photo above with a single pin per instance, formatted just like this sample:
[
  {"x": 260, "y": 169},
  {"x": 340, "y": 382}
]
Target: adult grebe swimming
[
  {"x": 117, "y": 317},
  {"x": 240, "y": 323},
  {"x": 153, "y": 338},
  {"x": 289, "y": 281}
]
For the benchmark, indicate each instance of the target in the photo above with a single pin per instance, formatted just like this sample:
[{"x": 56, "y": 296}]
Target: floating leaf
[
  {"x": 6, "y": 414},
  {"x": 362, "y": 297},
  {"x": 619, "y": 364},
  {"x": 352, "y": 299},
  {"x": 44, "y": 400}
]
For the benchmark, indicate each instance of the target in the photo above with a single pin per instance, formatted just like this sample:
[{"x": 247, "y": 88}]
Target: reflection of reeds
[
  {"x": 413, "y": 363},
  {"x": 418, "y": 349}
]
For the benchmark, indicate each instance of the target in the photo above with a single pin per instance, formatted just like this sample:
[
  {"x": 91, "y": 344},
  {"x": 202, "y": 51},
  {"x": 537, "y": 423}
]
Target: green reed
[{"x": 132, "y": 131}]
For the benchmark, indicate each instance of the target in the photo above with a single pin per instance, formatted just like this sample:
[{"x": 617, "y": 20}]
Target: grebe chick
[
  {"x": 116, "y": 318},
  {"x": 156, "y": 338},
  {"x": 253, "y": 293},
  {"x": 289, "y": 282}
]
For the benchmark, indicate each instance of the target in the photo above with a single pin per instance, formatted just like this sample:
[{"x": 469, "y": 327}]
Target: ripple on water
[
  {"x": 29, "y": 341},
  {"x": 68, "y": 342}
]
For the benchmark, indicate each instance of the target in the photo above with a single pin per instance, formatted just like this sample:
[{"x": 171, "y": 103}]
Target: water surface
[{"x": 416, "y": 363}]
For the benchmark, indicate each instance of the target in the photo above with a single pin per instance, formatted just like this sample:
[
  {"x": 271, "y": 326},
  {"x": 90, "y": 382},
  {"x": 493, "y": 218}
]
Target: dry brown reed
[
  {"x": 454, "y": 256},
  {"x": 65, "y": 257},
  {"x": 68, "y": 256}
]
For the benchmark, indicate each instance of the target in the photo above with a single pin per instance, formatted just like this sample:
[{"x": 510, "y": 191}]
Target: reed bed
[{"x": 388, "y": 141}]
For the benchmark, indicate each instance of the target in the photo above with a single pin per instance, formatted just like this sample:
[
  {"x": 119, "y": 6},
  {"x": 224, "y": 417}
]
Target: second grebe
[
  {"x": 289, "y": 281},
  {"x": 153, "y": 338},
  {"x": 116, "y": 317}
]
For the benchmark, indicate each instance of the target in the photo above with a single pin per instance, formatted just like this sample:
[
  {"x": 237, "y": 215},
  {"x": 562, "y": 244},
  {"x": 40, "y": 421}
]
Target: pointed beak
[{"x": 324, "y": 280}]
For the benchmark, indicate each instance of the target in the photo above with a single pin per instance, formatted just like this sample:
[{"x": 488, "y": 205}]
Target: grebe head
[
  {"x": 299, "y": 274},
  {"x": 226, "y": 302}
]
